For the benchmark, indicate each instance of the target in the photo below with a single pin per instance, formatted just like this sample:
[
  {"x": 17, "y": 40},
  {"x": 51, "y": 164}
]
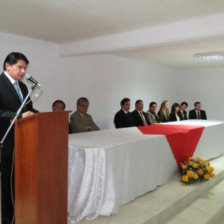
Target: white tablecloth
[{"x": 109, "y": 168}]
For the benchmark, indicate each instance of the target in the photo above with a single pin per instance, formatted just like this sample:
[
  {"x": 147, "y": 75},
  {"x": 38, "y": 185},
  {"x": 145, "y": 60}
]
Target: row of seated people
[
  {"x": 138, "y": 117},
  {"x": 80, "y": 121}
]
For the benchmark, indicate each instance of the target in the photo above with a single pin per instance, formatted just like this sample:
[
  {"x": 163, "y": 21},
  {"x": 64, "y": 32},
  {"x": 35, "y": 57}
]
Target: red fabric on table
[{"x": 183, "y": 139}]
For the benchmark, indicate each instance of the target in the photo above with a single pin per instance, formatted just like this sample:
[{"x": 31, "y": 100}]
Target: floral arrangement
[{"x": 196, "y": 170}]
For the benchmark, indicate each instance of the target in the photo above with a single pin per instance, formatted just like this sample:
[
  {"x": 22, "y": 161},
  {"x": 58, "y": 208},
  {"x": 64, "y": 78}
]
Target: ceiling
[
  {"x": 71, "y": 20},
  {"x": 179, "y": 54},
  {"x": 74, "y": 20}
]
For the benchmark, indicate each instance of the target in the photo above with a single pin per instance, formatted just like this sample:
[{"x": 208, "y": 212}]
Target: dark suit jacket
[
  {"x": 192, "y": 114},
  {"x": 173, "y": 117},
  {"x": 162, "y": 117},
  {"x": 9, "y": 104},
  {"x": 182, "y": 115},
  {"x": 123, "y": 120},
  {"x": 137, "y": 118}
]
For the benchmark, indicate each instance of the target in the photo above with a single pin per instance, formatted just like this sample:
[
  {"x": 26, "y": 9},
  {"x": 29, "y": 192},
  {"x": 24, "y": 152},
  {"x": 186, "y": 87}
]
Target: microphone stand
[{"x": 17, "y": 114}]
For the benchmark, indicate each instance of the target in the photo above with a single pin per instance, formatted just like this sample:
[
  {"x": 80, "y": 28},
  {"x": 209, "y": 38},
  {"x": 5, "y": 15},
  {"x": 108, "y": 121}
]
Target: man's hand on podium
[{"x": 27, "y": 114}]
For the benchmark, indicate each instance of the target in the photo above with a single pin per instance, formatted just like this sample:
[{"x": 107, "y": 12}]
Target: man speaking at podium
[{"x": 12, "y": 93}]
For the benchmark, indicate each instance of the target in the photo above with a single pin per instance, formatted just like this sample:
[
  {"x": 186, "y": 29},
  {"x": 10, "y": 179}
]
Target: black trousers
[{"x": 7, "y": 191}]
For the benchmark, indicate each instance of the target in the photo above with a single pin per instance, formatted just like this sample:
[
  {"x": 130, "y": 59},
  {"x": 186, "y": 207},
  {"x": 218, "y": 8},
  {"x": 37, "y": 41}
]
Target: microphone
[{"x": 31, "y": 79}]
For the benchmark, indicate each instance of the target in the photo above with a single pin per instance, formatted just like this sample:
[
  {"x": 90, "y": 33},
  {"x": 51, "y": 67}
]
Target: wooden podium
[{"x": 41, "y": 169}]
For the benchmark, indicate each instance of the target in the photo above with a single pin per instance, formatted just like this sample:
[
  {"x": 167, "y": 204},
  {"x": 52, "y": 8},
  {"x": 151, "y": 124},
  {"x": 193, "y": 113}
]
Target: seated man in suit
[
  {"x": 151, "y": 113},
  {"x": 123, "y": 118},
  {"x": 182, "y": 112},
  {"x": 80, "y": 121},
  {"x": 59, "y": 106},
  {"x": 197, "y": 113},
  {"x": 139, "y": 116}
]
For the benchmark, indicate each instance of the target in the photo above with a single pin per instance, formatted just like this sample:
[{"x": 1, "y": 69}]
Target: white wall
[
  {"x": 204, "y": 84},
  {"x": 42, "y": 56},
  {"x": 104, "y": 79}
]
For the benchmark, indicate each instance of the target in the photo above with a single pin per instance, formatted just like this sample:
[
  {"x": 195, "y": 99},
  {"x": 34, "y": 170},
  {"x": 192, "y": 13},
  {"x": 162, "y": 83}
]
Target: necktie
[
  {"x": 16, "y": 86},
  {"x": 198, "y": 115},
  {"x": 143, "y": 119}
]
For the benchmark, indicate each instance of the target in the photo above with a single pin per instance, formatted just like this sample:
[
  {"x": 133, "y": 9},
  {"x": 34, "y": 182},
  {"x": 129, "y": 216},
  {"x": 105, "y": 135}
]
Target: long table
[{"x": 109, "y": 168}]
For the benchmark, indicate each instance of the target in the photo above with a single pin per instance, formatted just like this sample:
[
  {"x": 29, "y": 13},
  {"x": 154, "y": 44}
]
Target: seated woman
[
  {"x": 174, "y": 115},
  {"x": 163, "y": 113}
]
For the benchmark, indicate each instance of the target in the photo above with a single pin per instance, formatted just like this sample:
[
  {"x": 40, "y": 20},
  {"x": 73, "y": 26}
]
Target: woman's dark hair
[{"x": 174, "y": 106}]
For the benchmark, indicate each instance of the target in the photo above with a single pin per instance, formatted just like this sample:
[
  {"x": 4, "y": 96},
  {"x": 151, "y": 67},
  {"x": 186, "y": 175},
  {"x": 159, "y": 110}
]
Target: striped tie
[{"x": 143, "y": 119}]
